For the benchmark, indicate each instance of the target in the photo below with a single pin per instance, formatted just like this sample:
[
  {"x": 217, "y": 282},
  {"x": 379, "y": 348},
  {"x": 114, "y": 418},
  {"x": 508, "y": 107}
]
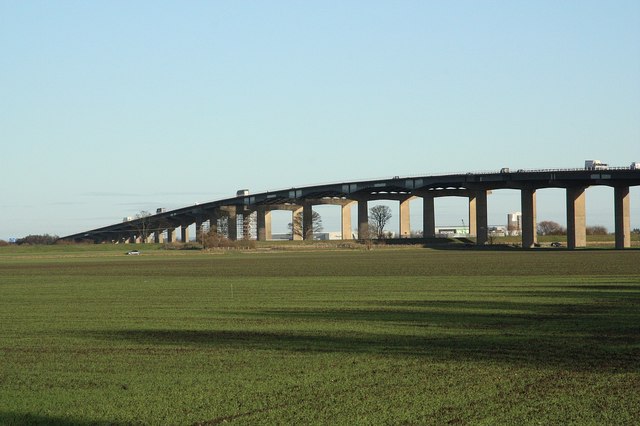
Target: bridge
[{"x": 473, "y": 186}]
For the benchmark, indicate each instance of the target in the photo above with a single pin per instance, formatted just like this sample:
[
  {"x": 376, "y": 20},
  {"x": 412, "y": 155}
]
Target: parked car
[
  {"x": 133, "y": 252},
  {"x": 556, "y": 244}
]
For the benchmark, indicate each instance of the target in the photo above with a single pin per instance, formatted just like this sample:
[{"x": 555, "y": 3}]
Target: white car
[{"x": 133, "y": 253}]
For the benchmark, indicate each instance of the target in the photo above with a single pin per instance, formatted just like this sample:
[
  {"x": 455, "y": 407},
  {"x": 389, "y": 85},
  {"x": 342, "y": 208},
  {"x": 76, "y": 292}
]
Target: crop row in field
[{"x": 326, "y": 336}]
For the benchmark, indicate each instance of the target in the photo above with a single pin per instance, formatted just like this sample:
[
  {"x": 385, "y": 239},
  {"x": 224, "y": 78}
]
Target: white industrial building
[{"x": 514, "y": 224}]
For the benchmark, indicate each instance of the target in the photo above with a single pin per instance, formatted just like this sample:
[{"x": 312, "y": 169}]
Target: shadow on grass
[
  {"x": 34, "y": 419},
  {"x": 595, "y": 334}
]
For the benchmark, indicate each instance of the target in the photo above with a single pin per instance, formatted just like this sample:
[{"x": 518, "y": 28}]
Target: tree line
[{"x": 549, "y": 227}]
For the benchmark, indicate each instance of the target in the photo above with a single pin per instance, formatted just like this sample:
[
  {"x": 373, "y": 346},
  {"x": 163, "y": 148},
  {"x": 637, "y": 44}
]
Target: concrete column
[
  {"x": 473, "y": 228},
  {"x": 528, "y": 205},
  {"x": 363, "y": 219},
  {"x": 622, "y": 217},
  {"x": 346, "y": 221},
  {"x": 307, "y": 221},
  {"x": 199, "y": 229},
  {"x": 213, "y": 221},
  {"x": 428, "y": 217},
  {"x": 264, "y": 224},
  {"x": 171, "y": 235},
  {"x": 158, "y": 236},
  {"x": 478, "y": 224},
  {"x": 232, "y": 223},
  {"x": 267, "y": 225},
  {"x": 296, "y": 231},
  {"x": 405, "y": 219},
  {"x": 576, "y": 218},
  {"x": 184, "y": 233}
]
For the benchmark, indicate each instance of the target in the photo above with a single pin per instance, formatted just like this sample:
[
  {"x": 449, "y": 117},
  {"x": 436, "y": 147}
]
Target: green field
[{"x": 386, "y": 336}]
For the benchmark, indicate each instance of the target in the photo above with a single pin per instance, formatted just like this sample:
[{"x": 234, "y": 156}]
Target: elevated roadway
[{"x": 474, "y": 186}]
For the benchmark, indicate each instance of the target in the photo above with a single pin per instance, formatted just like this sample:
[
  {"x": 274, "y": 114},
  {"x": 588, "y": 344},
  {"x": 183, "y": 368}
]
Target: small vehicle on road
[{"x": 133, "y": 253}]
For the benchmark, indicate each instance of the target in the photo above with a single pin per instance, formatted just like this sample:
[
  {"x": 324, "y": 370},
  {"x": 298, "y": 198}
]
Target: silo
[{"x": 514, "y": 223}]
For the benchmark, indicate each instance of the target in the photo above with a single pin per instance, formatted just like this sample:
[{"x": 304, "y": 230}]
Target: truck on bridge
[{"x": 595, "y": 165}]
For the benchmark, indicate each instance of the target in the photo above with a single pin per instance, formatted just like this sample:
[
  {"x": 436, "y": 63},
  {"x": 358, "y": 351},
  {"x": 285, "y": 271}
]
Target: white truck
[{"x": 595, "y": 165}]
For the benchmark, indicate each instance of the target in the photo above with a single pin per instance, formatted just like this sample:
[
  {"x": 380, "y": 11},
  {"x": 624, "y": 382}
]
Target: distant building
[
  {"x": 327, "y": 236},
  {"x": 498, "y": 231},
  {"x": 514, "y": 224},
  {"x": 452, "y": 231}
]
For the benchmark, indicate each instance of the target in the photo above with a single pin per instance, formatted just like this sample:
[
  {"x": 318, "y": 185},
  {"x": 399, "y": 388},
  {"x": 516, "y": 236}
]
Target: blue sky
[{"x": 109, "y": 108}]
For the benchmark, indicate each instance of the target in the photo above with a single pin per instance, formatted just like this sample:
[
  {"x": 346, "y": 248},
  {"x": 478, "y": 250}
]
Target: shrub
[
  {"x": 245, "y": 244},
  {"x": 597, "y": 230},
  {"x": 191, "y": 246},
  {"x": 45, "y": 239},
  {"x": 214, "y": 240}
]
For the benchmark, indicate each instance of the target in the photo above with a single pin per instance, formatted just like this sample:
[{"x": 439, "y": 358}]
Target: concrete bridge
[{"x": 473, "y": 186}]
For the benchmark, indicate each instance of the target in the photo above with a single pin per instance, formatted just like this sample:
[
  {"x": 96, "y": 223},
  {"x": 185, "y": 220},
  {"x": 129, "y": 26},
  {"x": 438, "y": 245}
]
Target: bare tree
[
  {"x": 223, "y": 225},
  {"x": 378, "y": 218},
  {"x": 213, "y": 239},
  {"x": 596, "y": 230},
  {"x": 143, "y": 225},
  {"x": 296, "y": 228},
  {"x": 549, "y": 227},
  {"x": 249, "y": 224}
]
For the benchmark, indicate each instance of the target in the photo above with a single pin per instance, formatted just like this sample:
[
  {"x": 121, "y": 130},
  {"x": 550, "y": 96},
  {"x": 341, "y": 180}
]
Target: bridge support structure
[
  {"x": 529, "y": 226},
  {"x": 576, "y": 217},
  {"x": 405, "y": 219},
  {"x": 428, "y": 216},
  {"x": 264, "y": 223},
  {"x": 478, "y": 224},
  {"x": 346, "y": 221},
  {"x": 363, "y": 219},
  {"x": 622, "y": 213}
]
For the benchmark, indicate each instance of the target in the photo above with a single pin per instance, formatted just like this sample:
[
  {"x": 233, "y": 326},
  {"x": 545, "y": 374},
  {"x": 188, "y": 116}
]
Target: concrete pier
[
  {"x": 478, "y": 223},
  {"x": 184, "y": 233},
  {"x": 307, "y": 221},
  {"x": 528, "y": 206},
  {"x": 171, "y": 235},
  {"x": 264, "y": 223},
  {"x": 428, "y": 216},
  {"x": 214, "y": 216},
  {"x": 405, "y": 220},
  {"x": 346, "y": 221},
  {"x": 296, "y": 226},
  {"x": 158, "y": 236},
  {"x": 232, "y": 222},
  {"x": 199, "y": 228},
  {"x": 363, "y": 219},
  {"x": 622, "y": 217},
  {"x": 576, "y": 218}
]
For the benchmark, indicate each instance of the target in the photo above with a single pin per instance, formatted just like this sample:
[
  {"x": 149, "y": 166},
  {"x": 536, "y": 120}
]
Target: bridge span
[{"x": 473, "y": 186}]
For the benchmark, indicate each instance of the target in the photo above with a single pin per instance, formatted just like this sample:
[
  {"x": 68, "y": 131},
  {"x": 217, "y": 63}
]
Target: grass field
[{"x": 387, "y": 336}]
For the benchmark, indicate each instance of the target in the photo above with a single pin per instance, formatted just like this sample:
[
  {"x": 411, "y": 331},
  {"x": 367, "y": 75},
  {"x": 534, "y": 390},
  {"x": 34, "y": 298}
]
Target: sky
[{"x": 108, "y": 108}]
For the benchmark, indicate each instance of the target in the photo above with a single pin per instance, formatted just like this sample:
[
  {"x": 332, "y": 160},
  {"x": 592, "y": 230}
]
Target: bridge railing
[{"x": 475, "y": 172}]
